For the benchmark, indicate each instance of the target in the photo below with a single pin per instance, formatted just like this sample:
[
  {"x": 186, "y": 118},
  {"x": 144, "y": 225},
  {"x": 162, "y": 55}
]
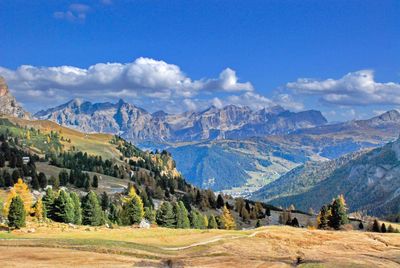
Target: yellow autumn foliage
[{"x": 21, "y": 189}]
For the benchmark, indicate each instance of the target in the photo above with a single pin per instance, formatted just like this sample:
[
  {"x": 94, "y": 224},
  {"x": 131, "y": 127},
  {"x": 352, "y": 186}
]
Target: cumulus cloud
[
  {"x": 355, "y": 88},
  {"x": 144, "y": 77},
  {"x": 75, "y": 12}
]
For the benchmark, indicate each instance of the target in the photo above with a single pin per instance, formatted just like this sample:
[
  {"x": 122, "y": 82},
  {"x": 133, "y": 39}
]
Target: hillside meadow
[{"x": 61, "y": 245}]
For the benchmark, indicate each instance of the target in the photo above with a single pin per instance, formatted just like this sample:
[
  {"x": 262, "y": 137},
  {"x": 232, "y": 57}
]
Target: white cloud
[
  {"x": 356, "y": 88},
  {"x": 75, "y": 12},
  {"x": 143, "y": 78}
]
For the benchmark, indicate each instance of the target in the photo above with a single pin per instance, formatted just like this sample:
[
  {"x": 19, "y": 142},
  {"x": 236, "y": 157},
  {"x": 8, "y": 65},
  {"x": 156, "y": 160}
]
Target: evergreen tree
[
  {"x": 63, "y": 208},
  {"x": 105, "y": 201},
  {"x": 132, "y": 208},
  {"x": 16, "y": 213},
  {"x": 42, "y": 180},
  {"x": 338, "y": 215},
  {"x": 323, "y": 217},
  {"x": 55, "y": 182},
  {"x": 212, "y": 223},
  {"x": 181, "y": 215},
  {"x": 258, "y": 223},
  {"x": 245, "y": 214},
  {"x": 383, "y": 228},
  {"x": 295, "y": 222},
  {"x": 113, "y": 216},
  {"x": 35, "y": 183},
  {"x": 48, "y": 203},
  {"x": 361, "y": 225},
  {"x": 95, "y": 182},
  {"x": 86, "y": 184},
  {"x": 375, "y": 226},
  {"x": 150, "y": 214},
  {"x": 220, "y": 201},
  {"x": 390, "y": 229},
  {"x": 227, "y": 219},
  {"x": 2, "y": 160},
  {"x": 77, "y": 208},
  {"x": 91, "y": 210},
  {"x": 63, "y": 177},
  {"x": 165, "y": 215}
]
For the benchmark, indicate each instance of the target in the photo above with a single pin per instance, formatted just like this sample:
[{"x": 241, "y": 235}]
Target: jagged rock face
[
  {"x": 136, "y": 124},
  {"x": 8, "y": 104}
]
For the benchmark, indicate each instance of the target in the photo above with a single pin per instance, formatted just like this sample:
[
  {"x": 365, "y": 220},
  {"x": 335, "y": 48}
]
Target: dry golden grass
[{"x": 274, "y": 246}]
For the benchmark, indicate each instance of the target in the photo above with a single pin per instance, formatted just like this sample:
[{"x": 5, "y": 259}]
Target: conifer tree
[
  {"x": 165, "y": 215},
  {"x": 132, "y": 208},
  {"x": 338, "y": 215},
  {"x": 42, "y": 180},
  {"x": 383, "y": 228},
  {"x": 361, "y": 225},
  {"x": 16, "y": 215},
  {"x": 375, "y": 226},
  {"x": 390, "y": 229},
  {"x": 258, "y": 223},
  {"x": 48, "y": 203},
  {"x": 95, "y": 182},
  {"x": 77, "y": 208},
  {"x": 39, "y": 210},
  {"x": 181, "y": 215},
  {"x": 35, "y": 183},
  {"x": 227, "y": 219},
  {"x": 220, "y": 201},
  {"x": 212, "y": 223},
  {"x": 63, "y": 208},
  {"x": 150, "y": 214},
  {"x": 113, "y": 216},
  {"x": 22, "y": 190},
  {"x": 105, "y": 201},
  {"x": 245, "y": 214},
  {"x": 295, "y": 222},
  {"x": 91, "y": 210},
  {"x": 63, "y": 177},
  {"x": 323, "y": 217}
]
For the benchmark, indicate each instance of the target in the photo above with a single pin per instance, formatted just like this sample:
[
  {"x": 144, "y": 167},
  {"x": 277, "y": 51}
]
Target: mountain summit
[
  {"x": 8, "y": 103},
  {"x": 136, "y": 124}
]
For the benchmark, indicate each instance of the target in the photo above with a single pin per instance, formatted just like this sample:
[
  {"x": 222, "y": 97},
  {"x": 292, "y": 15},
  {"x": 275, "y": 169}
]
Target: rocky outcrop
[{"x": 8, "y": 104}]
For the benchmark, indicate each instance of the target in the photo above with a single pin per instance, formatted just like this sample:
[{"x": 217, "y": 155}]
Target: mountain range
[
  {"x": 8, "y": 103},
  {"x": 369, "y": 180},
  {"x": 138, "y": 125}
]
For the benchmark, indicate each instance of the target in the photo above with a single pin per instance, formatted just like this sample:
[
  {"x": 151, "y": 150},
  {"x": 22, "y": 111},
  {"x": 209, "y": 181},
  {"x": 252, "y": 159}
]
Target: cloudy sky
[{"x": 340, "y": 57}]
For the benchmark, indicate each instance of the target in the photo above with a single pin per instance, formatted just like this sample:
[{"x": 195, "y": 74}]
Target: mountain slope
[
  {"x": 8, "y": 104},
  {"x": 370, "y": 182}
]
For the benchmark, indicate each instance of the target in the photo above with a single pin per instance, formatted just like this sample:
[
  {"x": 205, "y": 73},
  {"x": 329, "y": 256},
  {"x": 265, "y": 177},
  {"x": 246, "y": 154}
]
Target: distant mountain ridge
[
  {"x": 136, "y": 124},
  {"x": 370, "y": 182}
]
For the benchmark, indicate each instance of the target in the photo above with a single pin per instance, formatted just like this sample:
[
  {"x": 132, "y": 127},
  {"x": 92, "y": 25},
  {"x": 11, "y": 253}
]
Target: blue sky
[{"x": 205, "y": 52}]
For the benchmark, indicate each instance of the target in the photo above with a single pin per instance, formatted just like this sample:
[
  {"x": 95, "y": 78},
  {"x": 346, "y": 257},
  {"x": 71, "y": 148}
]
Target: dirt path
[{"x": 213, "y": 240}]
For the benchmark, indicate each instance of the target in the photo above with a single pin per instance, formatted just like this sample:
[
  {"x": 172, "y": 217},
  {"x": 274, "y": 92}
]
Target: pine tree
[
  {"x": 132, "y": 208},
  {"x": 383, "y": 228},
  {"x": 227, "y": 219},
  {"x": 323, "y": 217},
  {"x": 63, "y": 177},
  {"x": 375, "y": 226},
  {"x": 91, "y": 210},
  {"x": 105, "y": 201},
  {"x": 165, "y": 215},
  {"x": 150, "y": 214},
  {"x": 39, "y": 210},
  {"x": 181, "y": 215},
  {"x": 16, "y": 215},
  {"x": 295, "y": 222},
  {"x": 95, "y": 182},
  {"x": 390, "y": 229},
  {"x": 113, "y": 216},
  {"x": 338, "y": 215},
  {"x": 212, "y": 223},
  {"x": 361, "y": 225},
  {"x": 48, "y": 203},
  {"x": 35, "y": 183},
  {"x": 63, "y": 208},
  {"x": 77, "y": 208},
  {"x": 258, "y": 223},
  {"x": 220, "y": 201},
  {"x": 42, "y": 180},
  {"x": 245, "y": 214}
]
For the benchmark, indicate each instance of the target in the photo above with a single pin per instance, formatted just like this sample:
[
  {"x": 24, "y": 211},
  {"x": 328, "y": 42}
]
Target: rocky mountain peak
[{"x": 8, "y": 104}]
